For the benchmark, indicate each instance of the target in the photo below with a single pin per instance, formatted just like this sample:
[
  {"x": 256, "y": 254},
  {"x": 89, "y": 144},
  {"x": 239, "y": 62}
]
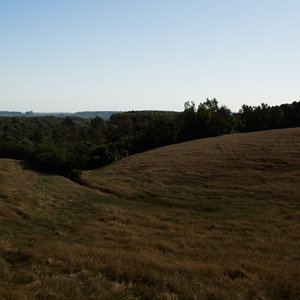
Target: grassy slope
[{"x": 208, "y": 219}]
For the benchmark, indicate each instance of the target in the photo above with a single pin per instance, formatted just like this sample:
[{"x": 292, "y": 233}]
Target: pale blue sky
[{"x": 71, "y": 55}]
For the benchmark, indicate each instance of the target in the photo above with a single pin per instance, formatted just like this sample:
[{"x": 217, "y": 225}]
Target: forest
[{"x": 68, "y": 145}]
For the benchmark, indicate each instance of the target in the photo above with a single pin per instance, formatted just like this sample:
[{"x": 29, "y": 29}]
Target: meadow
[{"x": 216, "y": 218}]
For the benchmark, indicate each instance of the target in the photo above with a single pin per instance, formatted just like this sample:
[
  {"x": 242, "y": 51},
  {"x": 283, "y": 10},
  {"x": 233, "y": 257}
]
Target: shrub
[{"x": 75, "y": 175}]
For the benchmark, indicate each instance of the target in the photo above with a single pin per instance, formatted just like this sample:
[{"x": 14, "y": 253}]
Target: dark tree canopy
[{"x": 62, "y": 145}]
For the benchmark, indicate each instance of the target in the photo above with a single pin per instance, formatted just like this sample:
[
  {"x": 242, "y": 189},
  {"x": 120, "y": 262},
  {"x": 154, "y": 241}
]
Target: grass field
[{"x": 217, "y": 218}]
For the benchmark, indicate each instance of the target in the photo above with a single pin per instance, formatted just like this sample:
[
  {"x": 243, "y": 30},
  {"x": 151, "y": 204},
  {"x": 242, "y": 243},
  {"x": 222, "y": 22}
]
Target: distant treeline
[
  {"x": 64, "y": 145},
  {"x": 81, "y": 114}
]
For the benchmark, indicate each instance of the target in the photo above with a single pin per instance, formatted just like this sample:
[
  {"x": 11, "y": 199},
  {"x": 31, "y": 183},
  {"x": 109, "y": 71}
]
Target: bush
[{"x": 75, "y": 175}]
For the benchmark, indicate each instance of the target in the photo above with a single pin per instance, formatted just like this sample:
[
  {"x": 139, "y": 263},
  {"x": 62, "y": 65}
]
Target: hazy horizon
[{"x": 70, "y": 56}]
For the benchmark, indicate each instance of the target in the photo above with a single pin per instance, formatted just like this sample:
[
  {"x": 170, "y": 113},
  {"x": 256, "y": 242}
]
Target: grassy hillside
[{"x": 209, "y": 219}]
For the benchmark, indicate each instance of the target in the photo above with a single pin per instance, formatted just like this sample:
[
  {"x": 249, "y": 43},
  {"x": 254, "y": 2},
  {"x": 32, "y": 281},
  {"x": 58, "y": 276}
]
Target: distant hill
[
  {"x": 10, "y": 114},
  {"x": 92, "y": 114},
  {"x": 216, "y": 218},
  {"x": 82, "y": 114}
]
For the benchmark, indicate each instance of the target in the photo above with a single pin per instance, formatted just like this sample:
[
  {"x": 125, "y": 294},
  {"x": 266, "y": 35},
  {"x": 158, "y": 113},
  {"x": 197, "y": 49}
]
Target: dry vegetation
[{"x": 209, "y": 219}]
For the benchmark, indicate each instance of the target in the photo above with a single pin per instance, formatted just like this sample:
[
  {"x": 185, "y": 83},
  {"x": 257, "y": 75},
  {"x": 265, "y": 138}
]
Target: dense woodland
[{"x": 67, "y": 145}]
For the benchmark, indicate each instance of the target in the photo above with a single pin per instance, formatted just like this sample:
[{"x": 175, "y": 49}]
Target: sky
[{"x": 76, "y": 55}]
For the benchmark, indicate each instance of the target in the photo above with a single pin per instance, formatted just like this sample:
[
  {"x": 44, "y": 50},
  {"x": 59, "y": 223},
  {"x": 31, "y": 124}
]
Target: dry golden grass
[{"x": 209, "y": 219}]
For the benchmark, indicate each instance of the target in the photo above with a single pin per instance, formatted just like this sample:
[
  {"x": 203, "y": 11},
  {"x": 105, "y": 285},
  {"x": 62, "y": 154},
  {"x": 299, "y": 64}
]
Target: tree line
[{"x": 67, "y": 145}]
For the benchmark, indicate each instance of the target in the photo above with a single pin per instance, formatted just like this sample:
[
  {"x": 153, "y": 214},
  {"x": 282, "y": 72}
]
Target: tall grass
[{"x": 210, "y": 219}]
